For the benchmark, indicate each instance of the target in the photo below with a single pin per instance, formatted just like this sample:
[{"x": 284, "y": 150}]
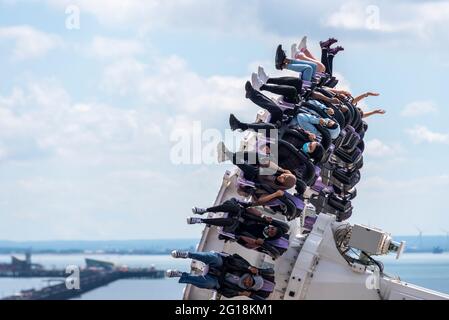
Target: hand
[
  {"x": 322, "y": 122},
  {"x": 268, "y": 219},
  {"x": 279, "y": 193},
  {"x": 330, "y": 111},
  {"x": 380, "y": 111},
  {"x": 335, "y": 101},
  {"x": 253, "y": 270},
  {"x": 312, "y": 136},
  {"x": 259, "y": 242}
]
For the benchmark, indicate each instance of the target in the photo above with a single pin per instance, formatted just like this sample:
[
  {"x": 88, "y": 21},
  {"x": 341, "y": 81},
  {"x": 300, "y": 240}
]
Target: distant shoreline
[
  {"x": 414, "y": 244},
  {"x": 75, "y": 252},
  {"x": 137, "y": 253}
]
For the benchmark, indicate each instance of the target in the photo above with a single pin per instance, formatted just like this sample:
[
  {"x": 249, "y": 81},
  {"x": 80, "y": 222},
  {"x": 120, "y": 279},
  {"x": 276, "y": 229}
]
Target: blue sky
[{"x": 86, "y": 114}]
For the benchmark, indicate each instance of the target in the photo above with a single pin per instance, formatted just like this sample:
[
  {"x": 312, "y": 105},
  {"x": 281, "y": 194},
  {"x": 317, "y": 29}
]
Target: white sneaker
[
  {"x": 303, "y": 44},
  {"x": 193, "y": 220},
  {"x": 180, "y": 254},
  {"x": 256, "y": 82},
  {"x": 262, "y": 75},
  {"x": 173, "y": 273},
  {"x": 222, "y": 152},
  {"x": 197, "y": 210},
  {"x": 294, "y": 50}
]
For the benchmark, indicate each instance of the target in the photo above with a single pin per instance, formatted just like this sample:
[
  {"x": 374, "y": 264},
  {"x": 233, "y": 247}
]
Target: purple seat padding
[
  {"x": 285, "y": 105},
  {"x": 280, "y": 243},
  {"x": 276, "y": 202},
  {"x": 306, "y": 83},
  {"x": 298, "y": 202},
  {"x": 319, "y": 185},
  {"x": 227, "y": 234},
  {"x": 246, "y": 183}
]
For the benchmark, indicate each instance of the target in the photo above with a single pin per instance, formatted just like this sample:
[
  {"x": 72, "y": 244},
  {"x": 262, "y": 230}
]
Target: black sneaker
[
  {"x": 327, "y": 44},
  {"x": 249, "y": 89},
  {"x": 280, "y": 58},
  {"x": 332, "y": 83},
  {"x": 234, "y": 123}
]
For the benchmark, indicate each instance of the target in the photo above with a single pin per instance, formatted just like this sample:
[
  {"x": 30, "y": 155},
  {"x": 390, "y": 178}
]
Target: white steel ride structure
[{"x": 317, "y": 263}]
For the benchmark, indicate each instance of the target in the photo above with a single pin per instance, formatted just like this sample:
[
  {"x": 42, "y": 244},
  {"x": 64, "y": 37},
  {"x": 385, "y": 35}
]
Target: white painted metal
[{"x": 312, "y": 267}]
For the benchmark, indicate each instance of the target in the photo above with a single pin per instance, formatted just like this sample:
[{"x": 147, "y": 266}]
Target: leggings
[
  {"x": 289, "y": 93},
  {"x": 231, "y": 206},
  {"x": 261, "y": 127},
  {"x": 287, "y": 81},
  {"x": 327, "y": 59},
  {"x": 307, "y": 68},
  {"x": 220, "y": 222},
  {"x": 266, "y": 103}
]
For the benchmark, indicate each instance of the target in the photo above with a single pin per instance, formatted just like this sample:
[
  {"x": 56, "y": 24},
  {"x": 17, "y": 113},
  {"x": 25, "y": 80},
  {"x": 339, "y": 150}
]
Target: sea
[{"x": 423, "y": 269}]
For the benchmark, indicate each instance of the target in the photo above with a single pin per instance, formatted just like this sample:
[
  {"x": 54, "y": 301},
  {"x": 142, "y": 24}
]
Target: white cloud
[
  {"x": 376, "y": 148},
  {"x": 75, "y": 131},
  {"x": 122, "y": 76},
  {"x": 28, "y": 41},
  {"x": 409, "y": 20},
  {"x": 15, "y": 98},
  {"x": 417, "y": 184},
  {"x": 423, "y": 134},
  {"x": 103, "y": 47},
  {"x": 419, "y": 108},
  {"x": 149, "y": 14},
  {"x": 3, "y": 153},
  {"x": 350, "y": 16},
  {"x": 169, "y": 81},
  {"x": 110, "y": 11}
]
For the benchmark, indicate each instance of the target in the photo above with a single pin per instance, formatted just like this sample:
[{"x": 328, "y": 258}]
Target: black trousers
[
  {"x": 250, "y": 172},
  {"x": 327, "y": 59},
  {"x": 220, "y": 222},
  {"x": 232, "y": 206},
  {"x": 289, "y": 93},
  {"x": 261, "y": 126},
  {"x": 266, "y": 103},
  {"x": 234, "y": 209},
  {"x": 287, "y": 81}
]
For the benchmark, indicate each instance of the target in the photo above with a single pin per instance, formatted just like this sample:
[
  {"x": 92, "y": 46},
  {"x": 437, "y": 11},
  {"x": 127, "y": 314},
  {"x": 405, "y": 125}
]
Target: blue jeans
[
  {"x": 207, "y": 281},
  {"x": 306, "y": 68},
  {"x": 306, "y": 122},
  {"x": 204, "y": 282}
]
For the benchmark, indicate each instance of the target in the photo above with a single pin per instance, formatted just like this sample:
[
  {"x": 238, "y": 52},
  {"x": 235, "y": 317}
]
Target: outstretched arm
[
  {"x": 370, "y": 113},
  {"x": 363, "y": 96},
  {"x": 267, "y": 198},
  {"x": 251, "y": 241}
]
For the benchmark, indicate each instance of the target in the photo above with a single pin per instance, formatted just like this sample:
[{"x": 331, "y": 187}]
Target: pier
[{"x": 96, "y": 274}]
